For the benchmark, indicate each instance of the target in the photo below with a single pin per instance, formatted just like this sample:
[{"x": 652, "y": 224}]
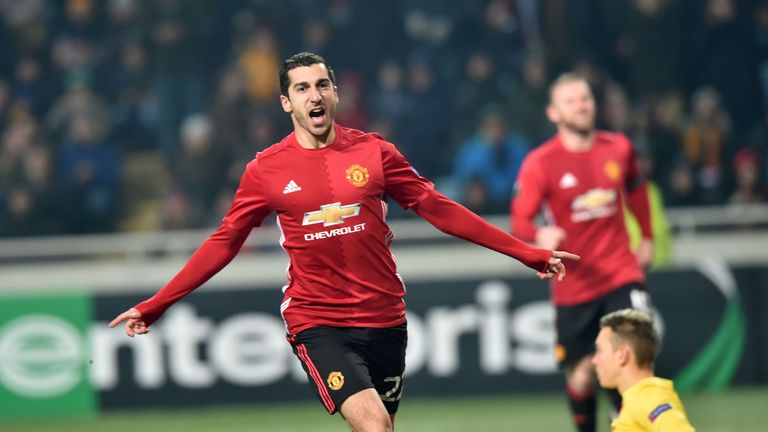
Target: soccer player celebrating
[
  {"x": 625, "y": 350},
  {"x": 584, "y": 177},
  {"x": 343, "y": 303}
]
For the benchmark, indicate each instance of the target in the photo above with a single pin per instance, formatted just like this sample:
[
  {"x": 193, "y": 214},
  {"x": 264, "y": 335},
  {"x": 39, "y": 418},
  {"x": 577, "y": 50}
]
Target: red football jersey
[
  {"x": 583, "y": 193},
  {"x": 330, "y": 209},
  {"x": 329, "y": 204}
]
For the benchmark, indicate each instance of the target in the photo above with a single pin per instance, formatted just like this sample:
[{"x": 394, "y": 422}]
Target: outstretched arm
[
  {"x": 212, "y": 256},
  {"x": 454, "y": 219},
  {"x": 414, "y": 192},
  {"x": 248, "y": 210}
]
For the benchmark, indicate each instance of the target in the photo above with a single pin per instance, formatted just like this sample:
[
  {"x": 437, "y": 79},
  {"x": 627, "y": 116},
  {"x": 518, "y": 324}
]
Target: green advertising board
[{"x": 44, "y": 356}]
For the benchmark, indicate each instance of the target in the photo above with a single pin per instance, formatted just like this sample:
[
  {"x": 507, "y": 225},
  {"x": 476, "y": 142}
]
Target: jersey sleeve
[
  {"x": 637, "y": 191},
  {"x": 402, "y": 182},
  {"x": 212, "y": 256},
  {"x": 530, "y": 189},
  {"x": 658, "y": 412},
  {"x": 454, "y": 219},
  {"x": 249, "y": 207}
]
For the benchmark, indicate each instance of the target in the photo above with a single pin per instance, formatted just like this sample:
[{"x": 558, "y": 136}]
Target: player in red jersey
[
  {"x": 343, "y": 304},
  {"x": 583, "y": 177}
]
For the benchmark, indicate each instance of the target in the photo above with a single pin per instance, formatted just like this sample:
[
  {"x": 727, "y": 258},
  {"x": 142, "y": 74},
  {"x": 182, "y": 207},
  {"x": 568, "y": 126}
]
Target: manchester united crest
[
  {"x": 612, "y": 170},
  {"x": 560, "y": 353},
  {"x": 335, "y": 380},
  {"x": 358, "y": 175}
]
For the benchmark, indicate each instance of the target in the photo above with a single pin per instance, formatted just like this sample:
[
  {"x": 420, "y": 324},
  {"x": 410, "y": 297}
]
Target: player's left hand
[
  {"x": 555, "y": 267},
  {"x": 134, "y": 324},
  {"x": 644, "y": 253}
]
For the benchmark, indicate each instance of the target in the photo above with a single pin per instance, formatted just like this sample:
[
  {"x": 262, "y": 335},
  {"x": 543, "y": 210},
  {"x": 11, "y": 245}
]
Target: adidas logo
[{"x": 291, "y": 187}]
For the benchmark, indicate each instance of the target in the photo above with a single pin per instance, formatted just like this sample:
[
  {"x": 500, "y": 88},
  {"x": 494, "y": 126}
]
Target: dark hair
[
  {"x": 298, "y": 60},
  {"x": 636, "y": 329}
]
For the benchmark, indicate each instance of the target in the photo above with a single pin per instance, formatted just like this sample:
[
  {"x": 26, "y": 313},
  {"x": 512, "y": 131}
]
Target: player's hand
[
  {"x": 555, "y": 267},
  {"x": 134, "y": 324},
  {"x": 550, "y": 237},
  {"x": 644, "y": 253}
]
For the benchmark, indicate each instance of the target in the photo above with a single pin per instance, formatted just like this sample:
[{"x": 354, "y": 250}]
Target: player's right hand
[
  {"x": 550, "y": 237},
  {"x": 555, "y": 267},
  {"x": 134, "y": 324}
]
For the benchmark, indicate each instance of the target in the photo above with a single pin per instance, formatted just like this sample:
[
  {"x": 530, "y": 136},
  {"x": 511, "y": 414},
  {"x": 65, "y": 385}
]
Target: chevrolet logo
[{"x": 331, "y": 214}]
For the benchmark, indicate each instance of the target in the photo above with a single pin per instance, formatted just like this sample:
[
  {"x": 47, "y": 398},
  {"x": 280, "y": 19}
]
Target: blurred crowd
[{"x": 134, "y": 115}]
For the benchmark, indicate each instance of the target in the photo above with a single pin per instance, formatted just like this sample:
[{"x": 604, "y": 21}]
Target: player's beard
[
  {"x": 583, "y": 127},
  {"x": 320, "y": 131}
]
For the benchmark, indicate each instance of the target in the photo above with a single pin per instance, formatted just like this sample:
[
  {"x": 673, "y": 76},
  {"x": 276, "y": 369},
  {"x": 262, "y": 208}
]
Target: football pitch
[{"x": 735, "y": 410}]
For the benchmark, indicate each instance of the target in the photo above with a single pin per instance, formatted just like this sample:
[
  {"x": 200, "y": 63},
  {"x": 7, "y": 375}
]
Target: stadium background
[{"x": 125, "y": 124}]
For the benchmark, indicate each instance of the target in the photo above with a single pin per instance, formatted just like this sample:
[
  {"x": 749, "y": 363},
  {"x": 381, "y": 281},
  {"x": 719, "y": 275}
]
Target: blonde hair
[
  {"x": 636, "y": 329},
  {"x": 566, "y": 77}
]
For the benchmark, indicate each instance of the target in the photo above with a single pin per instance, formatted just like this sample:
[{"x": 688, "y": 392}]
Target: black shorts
[
  {"x": 578, "y": 325},
  {"x": 341, "y": 361}
]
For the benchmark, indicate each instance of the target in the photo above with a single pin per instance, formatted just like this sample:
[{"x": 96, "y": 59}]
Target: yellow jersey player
[{"x": 625, "y": 349}]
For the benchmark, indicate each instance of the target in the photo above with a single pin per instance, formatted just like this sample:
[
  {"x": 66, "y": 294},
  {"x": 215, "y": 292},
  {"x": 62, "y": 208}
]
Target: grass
[{"x": 733, "y": 411}]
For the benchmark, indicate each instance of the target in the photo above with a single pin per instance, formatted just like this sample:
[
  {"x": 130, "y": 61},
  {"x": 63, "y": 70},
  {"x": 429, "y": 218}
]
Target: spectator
[
  {"x": 134, "y": 108},
  {"x": 682, "y": 189},
  {"x": 89, "y": 169},
  {"x": 665, "y": 135},
  {"x": 528, "y": 99},
  {"x": 651, "y": 31},
  {"x": 746, "y": 165},
  {"x": 480, "y": 87},
  {"x": 80, "y": 20},
  {"x": 388, "y": 99},
  {"x": 486, "y": 165},
  {"x": 230, "y": 111},
  {"x": 352, "y": 110},
  {"x": 616, "y": 114},
  {"x": 725, "y": 48},
  {"x": 258, "y": 60},
  {"x": 78, "y": 101},
  {"x": 137, "y": 69},
  {"x": 178, "y": 33},
  {"x": 199, "y": 168},
  {"x": 424, "y": 125},
  {"x": 706, "y": 137},
  {"x": 29, "y": 84}
]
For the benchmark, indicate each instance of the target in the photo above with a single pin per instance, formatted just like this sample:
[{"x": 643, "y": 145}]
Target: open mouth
[{"x": 317, "y": 116}]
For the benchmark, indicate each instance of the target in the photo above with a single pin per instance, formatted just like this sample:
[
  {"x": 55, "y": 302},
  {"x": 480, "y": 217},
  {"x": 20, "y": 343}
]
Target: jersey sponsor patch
[
  {"x": 335, "y": 380},
  {"x": 594, "y": 204},
  {"x": 357, "y": 175},
  {"x": 335, "y": 232},
  {"x": 658, "y": 410},
  {"x": 331, "y": 214}
]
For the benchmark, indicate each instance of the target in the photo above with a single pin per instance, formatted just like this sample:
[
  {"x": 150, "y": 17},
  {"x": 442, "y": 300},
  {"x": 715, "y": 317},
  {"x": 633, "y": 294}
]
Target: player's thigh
[
  {"x": 335, "y": 369},
  {"x": 385, "y": 355},
  {"x": 630, "y": 296},
  {"x": 577, "y": 328}
]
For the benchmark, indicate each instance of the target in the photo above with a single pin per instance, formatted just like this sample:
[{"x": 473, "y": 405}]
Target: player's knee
[
  {"x": 372, "y": 423},
  {"x": 382, "y": 425},
  {"x": 364, "y": 412},
  {"x": 581, "y": 377}
]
